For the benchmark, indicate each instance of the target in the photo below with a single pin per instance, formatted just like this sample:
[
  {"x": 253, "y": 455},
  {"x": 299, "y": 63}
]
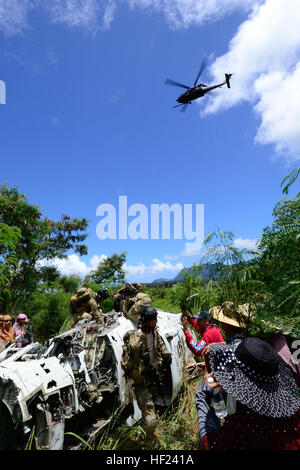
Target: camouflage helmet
[
  {"x": 102, "y": 294},
  {"x": 149, "y": 312},
  {"x": 81, "y": 290}
]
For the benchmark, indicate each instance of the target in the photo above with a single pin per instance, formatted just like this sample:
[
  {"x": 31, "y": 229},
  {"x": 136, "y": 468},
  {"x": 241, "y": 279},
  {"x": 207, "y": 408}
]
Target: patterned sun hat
[{"x": 255, "y": 375}]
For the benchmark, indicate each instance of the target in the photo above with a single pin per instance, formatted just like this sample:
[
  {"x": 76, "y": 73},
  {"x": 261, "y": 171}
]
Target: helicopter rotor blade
[
  {"x": 173, "y": 83},
  {"x": 202, "y": 67},
  {"x": 184, "y": 106},
  {"x": 183, "y": 109}
]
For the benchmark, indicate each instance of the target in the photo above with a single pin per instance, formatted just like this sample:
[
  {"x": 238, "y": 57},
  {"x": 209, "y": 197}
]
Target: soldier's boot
[{"x": 149, "y": 427}]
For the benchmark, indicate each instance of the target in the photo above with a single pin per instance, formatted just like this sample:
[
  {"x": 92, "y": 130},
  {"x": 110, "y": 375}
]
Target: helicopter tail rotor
[{"x": 227, "y": 78}]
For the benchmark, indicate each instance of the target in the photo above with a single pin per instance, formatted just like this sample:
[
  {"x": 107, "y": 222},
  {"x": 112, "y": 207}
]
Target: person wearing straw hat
[
  {"x": 266, "y": 415},
  {"x": 232, "y": 329}
]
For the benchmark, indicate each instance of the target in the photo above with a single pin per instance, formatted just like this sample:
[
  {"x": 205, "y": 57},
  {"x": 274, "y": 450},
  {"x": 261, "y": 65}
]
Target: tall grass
[{"x": 176, "y": 428}]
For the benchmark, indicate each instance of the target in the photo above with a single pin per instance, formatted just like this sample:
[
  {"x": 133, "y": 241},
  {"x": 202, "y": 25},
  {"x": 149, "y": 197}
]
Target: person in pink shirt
[{"x": 23, "y": 331}]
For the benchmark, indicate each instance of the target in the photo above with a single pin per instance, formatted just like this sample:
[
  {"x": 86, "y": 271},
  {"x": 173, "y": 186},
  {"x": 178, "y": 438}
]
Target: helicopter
[{"x": 196, "y": 91}]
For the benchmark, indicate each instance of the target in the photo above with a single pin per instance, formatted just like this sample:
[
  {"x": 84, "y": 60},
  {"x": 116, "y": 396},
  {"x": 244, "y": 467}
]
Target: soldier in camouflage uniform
[
  {"x": 131, "y": 301},
  {"x": 87, "y": 301},
  {"x": 145, "y": 358}
]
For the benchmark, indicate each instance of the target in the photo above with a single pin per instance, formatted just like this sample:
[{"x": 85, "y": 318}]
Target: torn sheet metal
[{"x": 42, "y": 388}]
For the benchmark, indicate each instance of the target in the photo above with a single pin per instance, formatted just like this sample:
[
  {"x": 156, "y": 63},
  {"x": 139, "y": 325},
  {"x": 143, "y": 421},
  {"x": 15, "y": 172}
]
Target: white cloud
[
  {"x": 13, "y": 16},
  {"x": 249, "y": 244},
  {"x": 74, "y": 12},
  {"x": 156, "y": 269},
  {"x": 279, "y": 108},
  {"x": 109, "y": 13},
  {"x": 264, "y": 56},
  {"x": 69, "y": 265},
  {"x": 95, "y": 260},
  {"x": 73, "y": 265},
  {"x": 185, "y": 13},
  {"x": 85, "y": 13}
]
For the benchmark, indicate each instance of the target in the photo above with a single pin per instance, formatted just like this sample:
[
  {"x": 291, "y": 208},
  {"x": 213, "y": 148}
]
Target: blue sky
[{"x": 88, "y": 117}]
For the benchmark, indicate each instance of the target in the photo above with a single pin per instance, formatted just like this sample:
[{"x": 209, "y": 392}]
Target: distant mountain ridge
[
  {"x": 161, "y": 279},
  {"x": 206, "y": 273}
]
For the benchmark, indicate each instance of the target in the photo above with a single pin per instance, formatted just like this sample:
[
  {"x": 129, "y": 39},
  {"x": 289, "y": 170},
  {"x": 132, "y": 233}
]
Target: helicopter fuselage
[{"x": 196, "y": 92}]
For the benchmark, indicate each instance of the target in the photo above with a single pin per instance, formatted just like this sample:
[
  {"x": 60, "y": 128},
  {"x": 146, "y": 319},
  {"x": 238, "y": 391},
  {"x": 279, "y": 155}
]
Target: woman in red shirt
[{"x": 209, "y": 331}]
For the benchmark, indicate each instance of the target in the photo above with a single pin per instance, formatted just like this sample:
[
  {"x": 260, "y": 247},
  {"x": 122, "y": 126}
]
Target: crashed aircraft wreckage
[{"x": 44, "y": 389}]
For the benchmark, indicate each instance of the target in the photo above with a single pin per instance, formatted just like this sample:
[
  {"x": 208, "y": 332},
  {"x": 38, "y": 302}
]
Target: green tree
[
  {"x": 48, "y": 307},
  {"x": 278, "y": 266},
  {"x": 110, "y": 272},
  {"x": 9, "y": 237},
  {"x": 39, "y": 238},
  {"x": 70, "y": 284},
  {"x": 182, "y": 294}
]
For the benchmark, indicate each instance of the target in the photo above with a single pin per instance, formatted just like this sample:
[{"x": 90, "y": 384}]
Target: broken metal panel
[
  {"x": 117, "y": 342},
  {"x": 12, "y": 353},
  {"x": 115, "y": 338},
  {"x": 44, "y": 386},
  {"x": 9, "y": 396},
  {"x": 170, "y": 329},
  {"x": 45, "y": 376},
  {"x": 56, "y": 436}
]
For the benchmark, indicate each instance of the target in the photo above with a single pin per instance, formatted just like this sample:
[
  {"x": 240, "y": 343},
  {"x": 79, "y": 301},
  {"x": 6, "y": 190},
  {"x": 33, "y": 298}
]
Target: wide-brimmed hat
[
  {"x": 255, "y": 375},
  {"x": 235, "y": 315}
]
